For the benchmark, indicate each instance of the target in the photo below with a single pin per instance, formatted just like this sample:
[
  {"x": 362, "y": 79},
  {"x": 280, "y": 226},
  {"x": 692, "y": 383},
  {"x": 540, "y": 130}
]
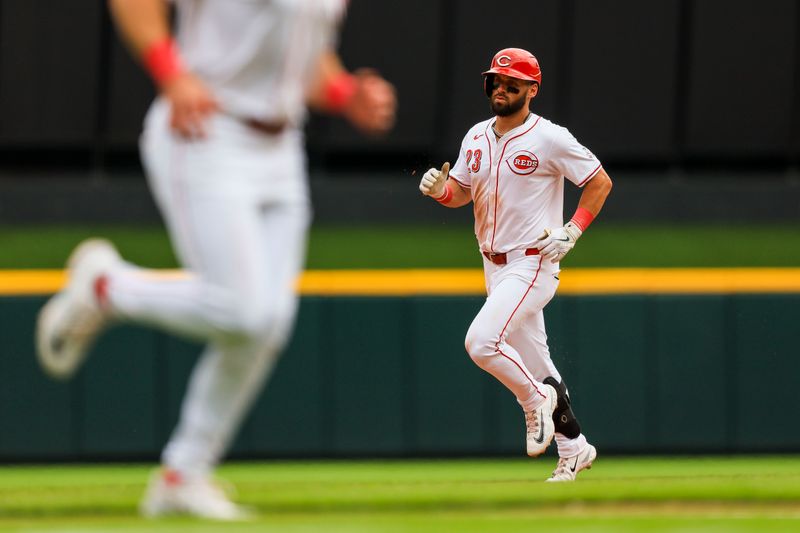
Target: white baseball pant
[
  {"x": 507, "y": 338},
  {"x": 237, "y": 209}
]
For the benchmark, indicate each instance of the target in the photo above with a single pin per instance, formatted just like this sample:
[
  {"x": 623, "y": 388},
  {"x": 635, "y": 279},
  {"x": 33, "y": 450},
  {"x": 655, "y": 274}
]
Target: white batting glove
[
  {"x": 555, "y": 244},
  {"x": 433, "y": 181}
]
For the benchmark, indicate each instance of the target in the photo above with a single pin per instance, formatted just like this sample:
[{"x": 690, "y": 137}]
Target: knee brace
[{"x": 564, "y": 419}]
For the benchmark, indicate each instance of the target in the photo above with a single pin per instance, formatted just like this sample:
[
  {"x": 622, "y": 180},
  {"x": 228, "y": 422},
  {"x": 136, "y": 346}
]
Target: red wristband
[
  {"x": 446, "y": 196},
  {"x": 582, "y": 218},
  {"x": 339, "y": 90},
  {"x": 162, "y": 60}
]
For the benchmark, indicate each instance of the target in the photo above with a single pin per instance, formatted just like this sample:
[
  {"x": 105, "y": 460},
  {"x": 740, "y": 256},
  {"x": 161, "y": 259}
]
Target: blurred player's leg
[
  {"x": 169, "y": 493},
  {"x": 242, "y": 228},
  {"x": 228, "y": 376},
  {"x": 228, "y": 298},
  {"x": 69, "y": 323},
  {"x": 225, "y": 382}
]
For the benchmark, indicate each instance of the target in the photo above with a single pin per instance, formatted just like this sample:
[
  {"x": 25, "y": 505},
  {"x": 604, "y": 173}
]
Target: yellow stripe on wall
[
  {"x": 576, "y": 281},
  {"x": 30, "y": 282},
  {"x": 679, "y": 280},
  {"x": 392, "y": 282}
]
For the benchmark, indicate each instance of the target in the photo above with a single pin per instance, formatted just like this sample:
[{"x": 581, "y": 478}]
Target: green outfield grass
[
  {"x": 618, "y": 494},
  {"x": 450, "y": 246}
]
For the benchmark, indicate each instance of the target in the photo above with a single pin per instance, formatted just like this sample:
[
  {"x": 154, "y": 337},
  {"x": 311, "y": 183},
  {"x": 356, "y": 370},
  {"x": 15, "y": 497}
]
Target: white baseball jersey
[
  {"x": 516, "y": 181},
  {"x": 258, "y": 56}
]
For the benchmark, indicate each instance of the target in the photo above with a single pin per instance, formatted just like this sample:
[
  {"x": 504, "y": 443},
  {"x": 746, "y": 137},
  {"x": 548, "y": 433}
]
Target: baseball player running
[
  {"x": 223, "y": 150},
  {"x": 512, "y": 168}
]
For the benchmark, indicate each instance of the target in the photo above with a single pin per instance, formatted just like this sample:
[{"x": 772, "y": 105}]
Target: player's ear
[{"x": 533, "y": 90}]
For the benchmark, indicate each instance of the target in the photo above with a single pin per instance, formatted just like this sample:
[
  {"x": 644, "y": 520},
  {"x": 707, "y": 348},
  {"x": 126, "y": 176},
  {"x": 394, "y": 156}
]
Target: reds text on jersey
[{"x": 517, "y": 181}]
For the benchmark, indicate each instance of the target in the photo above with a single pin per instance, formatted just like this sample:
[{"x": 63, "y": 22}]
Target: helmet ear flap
[{"x": 488, "y": 84}]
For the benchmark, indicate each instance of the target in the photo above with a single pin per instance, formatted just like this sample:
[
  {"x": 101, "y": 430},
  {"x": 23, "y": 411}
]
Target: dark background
[{"x": 693, "y": 106}]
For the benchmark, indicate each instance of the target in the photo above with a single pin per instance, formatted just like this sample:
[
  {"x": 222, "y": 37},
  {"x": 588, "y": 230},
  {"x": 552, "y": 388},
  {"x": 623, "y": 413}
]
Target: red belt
[
  {"x": 267, "y": 128},
  {"x": 502, "y": 259}
]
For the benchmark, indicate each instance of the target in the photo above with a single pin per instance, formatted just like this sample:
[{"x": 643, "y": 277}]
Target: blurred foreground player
[{"x": 223, "y": 150}]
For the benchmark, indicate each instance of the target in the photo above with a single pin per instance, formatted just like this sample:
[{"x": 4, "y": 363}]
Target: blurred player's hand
[
  {"x": 433, "y": 181},
  {"x": 555, "y": 244},
  {"x": 191, "y": 103},
  {"x": 373, "y": 106}
]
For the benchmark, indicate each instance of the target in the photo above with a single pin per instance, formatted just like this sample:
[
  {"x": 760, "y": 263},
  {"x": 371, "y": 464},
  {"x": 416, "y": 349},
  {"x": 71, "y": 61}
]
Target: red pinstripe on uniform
[
  {"x": 497, "y": 346},
  {"x": 591, "y": 175},
  {"x": 497, "y": 178}
]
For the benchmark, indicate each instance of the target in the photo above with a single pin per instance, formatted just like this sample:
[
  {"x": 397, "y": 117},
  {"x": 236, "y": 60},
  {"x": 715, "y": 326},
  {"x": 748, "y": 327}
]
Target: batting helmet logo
[
  {"x": 523, "y": 163},
  {"x": 514, "y": 63}
]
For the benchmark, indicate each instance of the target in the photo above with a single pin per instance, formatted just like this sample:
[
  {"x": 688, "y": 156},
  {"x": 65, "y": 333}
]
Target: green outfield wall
[{"x": 388, "y": 376}]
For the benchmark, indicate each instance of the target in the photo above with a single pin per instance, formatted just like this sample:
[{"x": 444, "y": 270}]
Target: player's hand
[
  {"x": 433, "y": 181},
  {"x": 555, "y": 244},
  {"x": 372, "y": 108},
  {"x": 191, "y": 104}
]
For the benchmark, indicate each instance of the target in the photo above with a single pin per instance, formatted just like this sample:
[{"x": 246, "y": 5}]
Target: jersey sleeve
[
  {"x": 575, "y": 162},
  {"x": 459, "y": 171}
]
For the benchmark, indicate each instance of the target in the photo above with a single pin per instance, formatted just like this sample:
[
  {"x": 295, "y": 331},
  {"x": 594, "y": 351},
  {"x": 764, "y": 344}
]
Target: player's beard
[{"x": 508, "y": 108}]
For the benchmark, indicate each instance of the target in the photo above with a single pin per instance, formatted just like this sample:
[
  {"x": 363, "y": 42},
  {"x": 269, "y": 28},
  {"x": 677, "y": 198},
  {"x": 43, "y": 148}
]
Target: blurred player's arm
[
  {"x": 144, "y": 25},
  {"x": 141, "y": 22},
  {"x": 364, "y": 98},
  {"x": 438, "y": 185}
]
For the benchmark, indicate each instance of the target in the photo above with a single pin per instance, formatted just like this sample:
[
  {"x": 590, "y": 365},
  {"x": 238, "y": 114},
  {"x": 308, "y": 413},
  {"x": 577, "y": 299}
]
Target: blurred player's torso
[
  {"x": 517, "y": 180},
  {"x": 258, "y": 56}
]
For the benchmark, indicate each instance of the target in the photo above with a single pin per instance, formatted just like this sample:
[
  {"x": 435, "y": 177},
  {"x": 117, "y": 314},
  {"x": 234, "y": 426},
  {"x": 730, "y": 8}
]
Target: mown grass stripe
[
  {"x": 410, "y": 282},
  {"x": 758, "y": 493}
]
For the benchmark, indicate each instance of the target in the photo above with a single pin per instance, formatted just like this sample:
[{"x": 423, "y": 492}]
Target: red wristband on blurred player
[
  {"x": 162, "y": 60},
  {"x": 582, "y": 218},
  {"x": 446, "y": 196},
  {"x": 339, "y": 90}
]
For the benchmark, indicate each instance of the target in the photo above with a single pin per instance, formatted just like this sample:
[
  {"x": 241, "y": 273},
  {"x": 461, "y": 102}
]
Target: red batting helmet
[{"x": 514, "y": 63}]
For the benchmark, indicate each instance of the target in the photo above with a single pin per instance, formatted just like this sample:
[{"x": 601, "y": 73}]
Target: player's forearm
[
  {"x": 142, "y": 23},
  {"x": 460, "y": 196},
  {"x": 329, "y": 70},
  {"x": 595, "y": 193}
]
